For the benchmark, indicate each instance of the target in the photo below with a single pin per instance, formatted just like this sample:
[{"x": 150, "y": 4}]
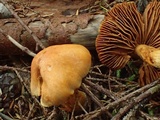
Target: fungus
[
  {"x": 57, "y": 72},
  {"x": 124, "y": 31},
  {"x": 149, "y": 54}
]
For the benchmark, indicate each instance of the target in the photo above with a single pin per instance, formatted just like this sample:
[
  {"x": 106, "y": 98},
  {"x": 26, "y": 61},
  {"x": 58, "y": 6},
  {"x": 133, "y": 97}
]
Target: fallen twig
[
  {"x": 135, "y": 101},
  {"x": 100, "y": 89},
  {"x": 117, "y": 102},
  {"x": 22, "y": 23},
  {"x": 5, "y": 117},
  {"x": 30, "y": 111},
  {"x": 52, "y": 115},
  {"x": 13, "y": 68},
  {"x": 26, "y": 50},
  {"x": 28, "y": 89},
  {"x": 89, "y": 93},
  {"x": 95, "y": 99},
  {"x": 149, "y": 117}
]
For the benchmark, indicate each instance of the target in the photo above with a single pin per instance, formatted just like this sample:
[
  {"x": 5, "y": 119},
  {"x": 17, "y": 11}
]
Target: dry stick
[
  {"x": 20, "y": 109},
  {"x": 22, "y": 23},
  {"x": 135, "y": 101},
  {"x": 91, "y": 117},
  {"x": 101, "y": 89},
  {"x": 5, "y": 117},
  {"x": 132, "y": 112},
  {"x": 148, "y": 117},
  {"x": 100, "y": 74},
  {"x": 106, "y": 80},
  {"x": 106, "y": 76},
  {"x": 52, "y": 115},
  {"x": 13, "y": 68},
  {"x": 84, "y": 110},
  {"x": 24, "y": 49},
  {"x": 127, "y": 97},
  {"x": 22, "y": 81},
  {"x": 72, "y": 114},
  {"x": 30, "y": 111},
  {"x": 134, "y": 93},
  {"x": 94, "y": 98}
]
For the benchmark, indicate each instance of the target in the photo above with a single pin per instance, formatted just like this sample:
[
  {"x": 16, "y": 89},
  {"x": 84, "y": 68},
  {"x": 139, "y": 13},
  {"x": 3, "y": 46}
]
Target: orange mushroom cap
[
  {"x": 123, "y": 30},
  {"x": 57, "y": 71}
]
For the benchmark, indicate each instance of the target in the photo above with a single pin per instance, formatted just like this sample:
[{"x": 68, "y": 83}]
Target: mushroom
[
  {"x": 124, "y": 31},
  {"x": 57, "y": 73},
  {"x": 149, "y": 54},
  {"x": 73, "y": 102}
]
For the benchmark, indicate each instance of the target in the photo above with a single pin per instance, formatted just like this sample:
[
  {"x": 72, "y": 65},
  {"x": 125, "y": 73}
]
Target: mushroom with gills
[
  {"x": 57, "y": 73},
  {"x": 123, "y": 31}
]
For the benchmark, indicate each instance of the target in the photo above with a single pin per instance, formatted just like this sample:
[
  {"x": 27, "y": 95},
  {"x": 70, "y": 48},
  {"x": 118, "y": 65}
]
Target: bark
[{"x": 51, "y": 28}]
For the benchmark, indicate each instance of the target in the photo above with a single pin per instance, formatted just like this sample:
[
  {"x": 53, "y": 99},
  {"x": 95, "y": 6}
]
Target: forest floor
[{"x": 111, "y": 94}]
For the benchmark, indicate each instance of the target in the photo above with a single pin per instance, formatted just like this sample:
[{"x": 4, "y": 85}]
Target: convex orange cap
[{"x": 57, "y": 71}]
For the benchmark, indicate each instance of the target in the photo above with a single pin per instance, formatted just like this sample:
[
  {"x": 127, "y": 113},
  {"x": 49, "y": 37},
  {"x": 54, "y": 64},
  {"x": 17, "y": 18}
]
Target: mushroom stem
[
  {"x": 149, "y": 54},
  {"x": 72, "y": 102}
]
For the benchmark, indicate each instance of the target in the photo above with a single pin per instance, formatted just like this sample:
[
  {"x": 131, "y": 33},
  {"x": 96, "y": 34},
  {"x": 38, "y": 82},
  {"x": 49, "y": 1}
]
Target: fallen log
[{"x": 51, "y": 30}]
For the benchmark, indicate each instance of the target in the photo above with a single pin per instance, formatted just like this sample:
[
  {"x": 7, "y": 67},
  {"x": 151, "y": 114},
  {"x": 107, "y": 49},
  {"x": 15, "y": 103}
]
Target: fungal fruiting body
[
  {"x": 125, "y": 33},
  {"x": 149, "y": 54},
  {"x": 73, "y": 101},
  {"x": 57, "y": 71}
]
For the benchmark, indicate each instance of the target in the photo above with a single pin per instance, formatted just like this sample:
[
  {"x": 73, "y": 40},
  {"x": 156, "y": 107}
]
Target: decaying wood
[
  {"x": 22, "y": 23},
  {"x": 81, "y": 28},
  {"x": 24, "y": 49}
]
